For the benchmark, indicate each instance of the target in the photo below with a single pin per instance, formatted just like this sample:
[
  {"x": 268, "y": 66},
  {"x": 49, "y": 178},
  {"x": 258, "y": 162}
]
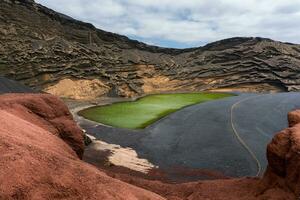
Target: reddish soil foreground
[
  {"x": 41, "y": 147},
  {"x": 35, "y": 163}
]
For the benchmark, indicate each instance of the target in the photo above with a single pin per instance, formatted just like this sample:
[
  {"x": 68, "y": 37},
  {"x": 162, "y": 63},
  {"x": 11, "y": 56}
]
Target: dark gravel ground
[
  {"x": 10, "y": 86},
  {"x": 201, "y": 136}
]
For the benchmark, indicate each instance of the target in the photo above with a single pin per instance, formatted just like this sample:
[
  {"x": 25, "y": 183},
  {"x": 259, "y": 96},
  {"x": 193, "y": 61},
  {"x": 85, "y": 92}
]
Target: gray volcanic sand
[
  {"x": 10, "y": 86},
  {"x": 201, "y": 136}
]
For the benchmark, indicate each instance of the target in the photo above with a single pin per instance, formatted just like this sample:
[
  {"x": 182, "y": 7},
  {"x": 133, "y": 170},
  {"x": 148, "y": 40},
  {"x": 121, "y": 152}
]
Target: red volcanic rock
[
  {"x": 35, "y": 163},
  {"x": 223, "y": 189},
  {"x": 294, "y": 118},
  {"x": 283, "y": 154},
  {"x": 48, "y": 112}
]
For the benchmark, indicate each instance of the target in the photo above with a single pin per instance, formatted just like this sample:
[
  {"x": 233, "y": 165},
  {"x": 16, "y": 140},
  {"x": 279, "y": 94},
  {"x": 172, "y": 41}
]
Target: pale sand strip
[{"x": 125, "y": 157}]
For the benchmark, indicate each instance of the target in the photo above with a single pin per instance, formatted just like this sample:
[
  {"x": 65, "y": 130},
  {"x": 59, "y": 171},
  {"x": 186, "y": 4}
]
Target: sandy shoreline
[
  {"x": 115, "y": 154},
  {"x": 114, "y": 158}
]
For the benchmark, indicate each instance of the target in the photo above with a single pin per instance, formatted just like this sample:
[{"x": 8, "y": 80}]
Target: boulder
[{"x": 283, "y": 155}]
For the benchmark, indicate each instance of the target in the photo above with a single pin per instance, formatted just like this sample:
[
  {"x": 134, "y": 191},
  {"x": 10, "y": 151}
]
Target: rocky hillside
[{"x": 48, "y": 50}]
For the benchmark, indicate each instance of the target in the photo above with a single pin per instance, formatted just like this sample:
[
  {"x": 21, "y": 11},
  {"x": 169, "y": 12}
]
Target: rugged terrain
[
  {"x": 47, "y": 50},
  {"x": 41, "y": 147},
  {"x": 38, "y": 145}
]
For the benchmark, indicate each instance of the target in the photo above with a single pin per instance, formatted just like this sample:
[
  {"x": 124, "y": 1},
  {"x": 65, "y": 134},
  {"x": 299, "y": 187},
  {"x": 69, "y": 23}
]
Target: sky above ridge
[{"x": 187, "y": 23}]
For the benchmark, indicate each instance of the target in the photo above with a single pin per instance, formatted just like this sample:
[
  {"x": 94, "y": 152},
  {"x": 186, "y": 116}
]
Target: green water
[{"x": 146, "y": 110}]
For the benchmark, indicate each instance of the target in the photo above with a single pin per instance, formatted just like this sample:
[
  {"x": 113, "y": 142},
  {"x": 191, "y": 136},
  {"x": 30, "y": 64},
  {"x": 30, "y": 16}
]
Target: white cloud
[{"x": 188, "y": 22}]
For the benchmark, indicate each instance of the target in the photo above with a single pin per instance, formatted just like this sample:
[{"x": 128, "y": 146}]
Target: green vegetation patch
[{"x": 146, "y": 110}]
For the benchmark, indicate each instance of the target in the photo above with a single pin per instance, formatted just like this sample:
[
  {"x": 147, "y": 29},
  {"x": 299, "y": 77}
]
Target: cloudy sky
[{"x": 187, "y": 23}]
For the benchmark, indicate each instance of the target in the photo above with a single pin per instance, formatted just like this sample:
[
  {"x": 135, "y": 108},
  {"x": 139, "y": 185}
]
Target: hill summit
[{"x": 45, "y": 49}]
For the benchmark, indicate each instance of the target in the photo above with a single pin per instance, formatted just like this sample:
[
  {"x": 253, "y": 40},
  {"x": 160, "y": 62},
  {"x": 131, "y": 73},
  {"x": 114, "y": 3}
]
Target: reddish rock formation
[
  {"x": 36, "y": 164},
  {"x": 49, "y": 113},
  {"x": 223, "y": 189},
  {"x": 294, "y": 118},
  {"x": 40, "y": 145},
  {"x": 284, "y": 157}
]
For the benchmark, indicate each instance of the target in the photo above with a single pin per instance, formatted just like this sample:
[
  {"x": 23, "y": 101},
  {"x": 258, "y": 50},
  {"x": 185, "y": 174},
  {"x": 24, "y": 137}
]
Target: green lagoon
[{"x": 146, "y": 110}]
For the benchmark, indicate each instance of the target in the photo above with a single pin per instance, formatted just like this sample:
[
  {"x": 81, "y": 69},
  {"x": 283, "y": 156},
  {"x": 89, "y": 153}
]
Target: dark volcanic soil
[
  {"x": 10, "y": 86},
  {"x": 202, "y": 137}
]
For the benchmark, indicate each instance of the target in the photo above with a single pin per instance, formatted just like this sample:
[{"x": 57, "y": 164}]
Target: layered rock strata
[{"x": 41, "y": 47}]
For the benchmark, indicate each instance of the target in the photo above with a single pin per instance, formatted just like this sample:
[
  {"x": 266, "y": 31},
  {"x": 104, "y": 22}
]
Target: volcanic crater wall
[{"x": 41, "y": 47}]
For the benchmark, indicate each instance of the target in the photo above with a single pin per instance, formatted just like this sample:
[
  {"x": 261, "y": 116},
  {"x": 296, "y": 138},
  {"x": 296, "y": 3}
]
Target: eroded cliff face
[
  {"x": 284, "y": 157},
  {"x": 78, "y": 89},
  {"x": 40, "y": 47}
]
